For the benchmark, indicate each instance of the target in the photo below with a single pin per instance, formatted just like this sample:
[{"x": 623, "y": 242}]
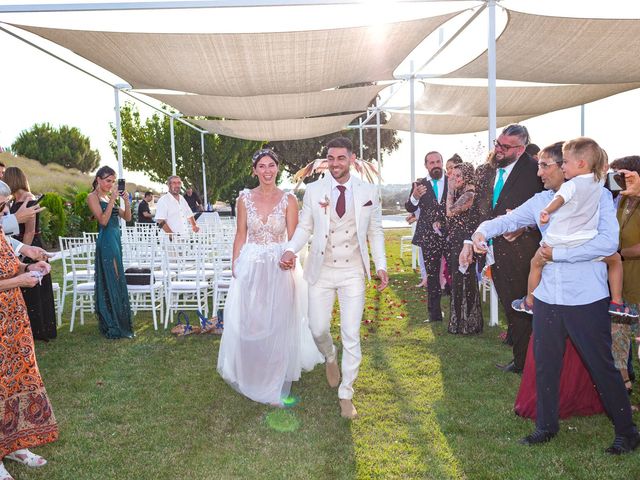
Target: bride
[{"x": 266, "y": 341}]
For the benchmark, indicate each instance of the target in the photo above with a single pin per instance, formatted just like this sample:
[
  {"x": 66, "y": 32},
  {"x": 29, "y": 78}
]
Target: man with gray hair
[
  {"x": 506, "y": 181},
  {"x": 172, "y": 210}
]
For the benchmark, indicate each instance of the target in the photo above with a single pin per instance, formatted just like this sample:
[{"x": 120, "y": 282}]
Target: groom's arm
[{"x": 305, "y": 226}]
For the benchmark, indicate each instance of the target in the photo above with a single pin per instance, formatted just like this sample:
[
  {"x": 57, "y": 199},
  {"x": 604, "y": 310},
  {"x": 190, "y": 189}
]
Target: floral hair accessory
[
  {"x": 324, "y": 203},
  {"x": 264, "y": 152}
]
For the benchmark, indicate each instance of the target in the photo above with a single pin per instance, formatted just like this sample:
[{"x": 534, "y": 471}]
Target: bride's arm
[
  {"x": 241, "y": 232},
  {"x": 292, "y": 215}
]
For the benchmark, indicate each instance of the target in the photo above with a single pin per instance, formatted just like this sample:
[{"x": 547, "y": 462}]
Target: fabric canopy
[
  {"x": 543, "y": 49},
  {"x": 291, "y": 129},
  {"x": 274, "y": 107},
  {"x": 247, "y": 64},
  {"x": 447, "y": 124},
  {"x": 512, "y": 100}
]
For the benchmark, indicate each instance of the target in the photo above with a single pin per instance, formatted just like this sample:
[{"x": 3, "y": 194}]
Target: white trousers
[{"x": 349, "y": 284}]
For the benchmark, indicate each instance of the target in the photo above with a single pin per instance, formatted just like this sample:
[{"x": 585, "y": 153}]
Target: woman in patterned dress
[
  {"x": 26, "y": 417},
  {"x": 266, "y": 342}
]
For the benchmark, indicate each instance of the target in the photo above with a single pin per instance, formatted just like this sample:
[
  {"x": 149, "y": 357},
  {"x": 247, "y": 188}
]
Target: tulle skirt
[{"x": 266, "y": 342}]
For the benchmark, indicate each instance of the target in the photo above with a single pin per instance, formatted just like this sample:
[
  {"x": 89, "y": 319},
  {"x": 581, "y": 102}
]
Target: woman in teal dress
[{"x": 111, "y": 296}]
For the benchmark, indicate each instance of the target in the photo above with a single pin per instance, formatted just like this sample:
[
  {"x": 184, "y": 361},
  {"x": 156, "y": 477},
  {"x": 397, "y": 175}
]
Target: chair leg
[
  {"x": 153, "y": 309},
  {"x": 73, "y": 309}
]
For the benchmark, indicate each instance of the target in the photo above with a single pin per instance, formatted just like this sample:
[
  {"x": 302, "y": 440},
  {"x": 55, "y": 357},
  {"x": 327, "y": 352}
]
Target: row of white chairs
[{"x": 186, "y": 272}]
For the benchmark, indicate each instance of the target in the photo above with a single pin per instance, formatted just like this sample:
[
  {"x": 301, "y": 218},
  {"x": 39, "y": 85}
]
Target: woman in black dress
[
  {"x": 39, "y": 299},
  {"x": 465, "y": 312}
]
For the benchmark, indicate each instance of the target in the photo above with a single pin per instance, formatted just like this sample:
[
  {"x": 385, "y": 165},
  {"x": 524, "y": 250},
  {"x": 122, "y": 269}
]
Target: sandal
[
  {"x": 622, "y": 309},
  {"x": 183, "y": 329},
  {"x": 4, "y": 475},
  {"x": 521, "y": 305},
  {"x": 206, "y": 325},
  {"x": 27, "y": 458}
]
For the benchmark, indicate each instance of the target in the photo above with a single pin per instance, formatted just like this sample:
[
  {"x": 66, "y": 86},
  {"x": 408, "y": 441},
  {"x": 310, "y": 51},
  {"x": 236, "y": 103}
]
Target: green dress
[{"x": 111, "y": 296}]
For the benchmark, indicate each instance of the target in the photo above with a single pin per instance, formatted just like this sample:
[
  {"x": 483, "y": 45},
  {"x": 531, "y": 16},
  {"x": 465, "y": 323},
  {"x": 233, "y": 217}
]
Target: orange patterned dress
[{"x": 26, "y": 417}]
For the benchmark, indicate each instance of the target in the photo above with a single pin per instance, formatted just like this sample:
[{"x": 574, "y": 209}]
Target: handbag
[{"x": 138, "y": 276}]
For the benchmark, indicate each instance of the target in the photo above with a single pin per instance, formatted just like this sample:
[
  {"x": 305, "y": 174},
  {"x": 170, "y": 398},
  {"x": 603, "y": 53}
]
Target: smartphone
[
  {"x": 615, "y": 182},
  {"x": 40, "y": 198},
  {"x": 121, "y": 185}
]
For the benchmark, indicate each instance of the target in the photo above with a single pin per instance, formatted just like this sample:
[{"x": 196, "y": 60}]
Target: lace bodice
[{"x": 273, "y": 229}]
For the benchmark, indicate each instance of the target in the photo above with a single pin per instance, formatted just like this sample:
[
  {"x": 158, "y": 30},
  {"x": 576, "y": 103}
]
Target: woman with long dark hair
[
  {"x": 111, "y": 295},
  {"x": 39, "y": 299}
]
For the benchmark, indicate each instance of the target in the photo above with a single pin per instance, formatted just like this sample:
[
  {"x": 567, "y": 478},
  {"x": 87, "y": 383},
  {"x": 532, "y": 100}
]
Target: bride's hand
[{"x": 288, "y": 260}]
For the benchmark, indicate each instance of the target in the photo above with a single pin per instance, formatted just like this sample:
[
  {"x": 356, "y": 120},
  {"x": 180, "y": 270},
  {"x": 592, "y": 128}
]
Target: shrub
[{"x": 57, "y": 221}]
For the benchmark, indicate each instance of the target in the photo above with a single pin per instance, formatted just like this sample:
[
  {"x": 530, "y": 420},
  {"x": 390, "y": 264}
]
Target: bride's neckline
[{"x": 265, "y": 220}]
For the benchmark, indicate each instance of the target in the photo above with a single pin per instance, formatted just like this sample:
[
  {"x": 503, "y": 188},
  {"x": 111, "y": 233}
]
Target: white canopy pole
[
  {"x": 379, "y": 153},
  {"x": 173, "y": 147},
  {"x": 412, "y": 141},
  {"x": 493, "y": 310},
  {"x": 582, "y": 120},
  {"x": 116, "y": 93},
  {"x": 204, "y": 174},
  {"x": 361, "y": 134}
]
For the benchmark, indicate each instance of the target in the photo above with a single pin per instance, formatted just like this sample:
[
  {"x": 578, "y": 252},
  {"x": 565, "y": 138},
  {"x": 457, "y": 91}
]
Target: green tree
[
  {"x": 66, "y": 146},
  {"x": 146, "y": 147}
]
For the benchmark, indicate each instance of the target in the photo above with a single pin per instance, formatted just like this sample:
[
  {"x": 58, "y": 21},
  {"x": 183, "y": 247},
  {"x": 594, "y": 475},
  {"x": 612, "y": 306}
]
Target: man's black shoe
[
  {"x": 508, "y": 368},
  {"x": 538, "y": 436},
  {"x": 624, "y": 444}
]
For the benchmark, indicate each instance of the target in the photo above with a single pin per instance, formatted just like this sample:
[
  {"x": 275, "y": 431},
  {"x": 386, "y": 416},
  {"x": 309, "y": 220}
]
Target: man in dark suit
[
  {"x": 430, "y": 196},
  {"x": 505, "y": 182}
]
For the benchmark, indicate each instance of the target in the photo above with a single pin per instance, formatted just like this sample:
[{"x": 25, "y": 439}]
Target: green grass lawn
[{"x": 431, "y": 405}]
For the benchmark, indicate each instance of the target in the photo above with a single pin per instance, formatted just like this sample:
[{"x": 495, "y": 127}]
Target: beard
[
  {"x": 436, "y": 173},
  {"x": 504, "y": 161}
]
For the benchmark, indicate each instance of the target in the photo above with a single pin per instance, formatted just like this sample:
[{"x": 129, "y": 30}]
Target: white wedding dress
[{"x": 266, "y": 341}]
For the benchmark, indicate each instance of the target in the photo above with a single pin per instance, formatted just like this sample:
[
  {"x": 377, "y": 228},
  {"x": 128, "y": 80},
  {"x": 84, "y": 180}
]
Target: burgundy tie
[{"x": 340, "y": 204}]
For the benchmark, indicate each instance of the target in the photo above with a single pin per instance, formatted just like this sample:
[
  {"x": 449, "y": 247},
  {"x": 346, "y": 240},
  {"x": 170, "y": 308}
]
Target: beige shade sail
[
  {"x": 273, "y": 107},
  {"x": 290, "y": 129},
  {"x": 447, "y": 124},
  {"x": 512, "y": 100},
  {"x": 246, "y": 64},
  {"x": 543, "y": 49}
]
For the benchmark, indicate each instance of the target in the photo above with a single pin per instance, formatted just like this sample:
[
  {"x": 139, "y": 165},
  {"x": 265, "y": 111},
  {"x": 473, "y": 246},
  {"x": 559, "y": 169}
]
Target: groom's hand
[
  {"x": 384, "y": 279},
  {"x": 288, "y": 260}
]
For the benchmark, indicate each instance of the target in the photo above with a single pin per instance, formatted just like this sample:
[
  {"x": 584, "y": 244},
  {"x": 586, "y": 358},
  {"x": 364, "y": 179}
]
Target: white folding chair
[
  {"x": 81, "y": 256},
  {"x": 147, "y": 296}
]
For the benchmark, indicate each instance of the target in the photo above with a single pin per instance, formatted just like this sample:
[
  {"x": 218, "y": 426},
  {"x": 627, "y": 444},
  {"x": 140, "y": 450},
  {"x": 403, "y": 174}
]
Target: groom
[{"x": 341, "y": 212}]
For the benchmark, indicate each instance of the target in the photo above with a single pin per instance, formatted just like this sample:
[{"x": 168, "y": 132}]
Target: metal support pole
[
  {"x": 412, "y": 142},
  {"x": 379, "y": 153},
  {"x": 493, "y": 310},
  {"x": 173, "y": 147},
  {"x": 361, "y": 134},
  {"x": 204, "y": 174},
  {"x": 116, "y": 93},
  {"x": 582, "y": 120}
]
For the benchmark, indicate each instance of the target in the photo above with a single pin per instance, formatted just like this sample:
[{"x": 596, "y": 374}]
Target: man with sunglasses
[{"x": 504, "y": 183}]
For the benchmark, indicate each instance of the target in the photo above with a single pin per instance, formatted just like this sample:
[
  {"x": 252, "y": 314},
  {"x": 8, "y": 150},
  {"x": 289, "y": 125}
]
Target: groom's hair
[{"x": 340, "y": 142}]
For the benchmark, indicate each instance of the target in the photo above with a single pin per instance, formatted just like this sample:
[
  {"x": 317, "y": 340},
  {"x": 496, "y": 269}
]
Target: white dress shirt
[
  {"x": 348, "y": 193},
  {"x": 175, "y": 212}
]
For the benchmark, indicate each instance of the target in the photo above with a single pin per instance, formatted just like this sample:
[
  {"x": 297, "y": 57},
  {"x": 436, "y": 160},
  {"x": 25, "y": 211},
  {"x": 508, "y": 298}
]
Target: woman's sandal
[
  {"x": 206, "y": 325},
  {"x": 27, "y": 458},
  {"x": 4, "y": 475}
]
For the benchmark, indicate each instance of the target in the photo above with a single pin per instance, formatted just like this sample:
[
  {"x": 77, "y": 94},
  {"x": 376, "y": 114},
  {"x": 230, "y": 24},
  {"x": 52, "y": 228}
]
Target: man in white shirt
[{"x": 172, "y": 210}]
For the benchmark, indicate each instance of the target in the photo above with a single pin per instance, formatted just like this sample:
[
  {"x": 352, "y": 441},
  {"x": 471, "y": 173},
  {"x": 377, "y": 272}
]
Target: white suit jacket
[{"x": 314, "y": 221}]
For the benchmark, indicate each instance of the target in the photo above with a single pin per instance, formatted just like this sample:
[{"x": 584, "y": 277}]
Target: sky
[{"x": 36, "y": 87}]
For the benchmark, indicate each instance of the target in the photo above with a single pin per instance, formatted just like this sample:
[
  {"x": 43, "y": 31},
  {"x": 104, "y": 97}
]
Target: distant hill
[{"x": 54, "y": 177}]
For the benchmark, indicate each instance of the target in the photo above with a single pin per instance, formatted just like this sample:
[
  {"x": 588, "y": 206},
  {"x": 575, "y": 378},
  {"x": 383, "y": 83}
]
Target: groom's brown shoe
[
  {"x": 347, "y": 410},
  {"x": 333, "y": 373}
]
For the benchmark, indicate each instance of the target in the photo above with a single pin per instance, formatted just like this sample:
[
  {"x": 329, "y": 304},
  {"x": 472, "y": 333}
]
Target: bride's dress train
[{"x": 266, "y": 341}]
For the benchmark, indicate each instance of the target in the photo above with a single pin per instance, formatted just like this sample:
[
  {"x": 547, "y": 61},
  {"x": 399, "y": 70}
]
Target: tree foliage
[
  {"x": 146, "y": 147},
  {"x": 66, "y": 146},
  {"x": 295, "y": 154}
]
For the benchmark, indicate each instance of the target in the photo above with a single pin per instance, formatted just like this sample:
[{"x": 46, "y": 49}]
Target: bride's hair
[{"x": 264, "y": 152}]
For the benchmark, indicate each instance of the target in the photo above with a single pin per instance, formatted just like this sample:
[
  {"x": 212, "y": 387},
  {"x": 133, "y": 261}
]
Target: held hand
[
  {"x": 384, "y": 279},
  {"x": 466, "y": 255},
  {"x": 544, "y": 217},
  {"x": 25, "y": 213},
  {"x": 27, "y": 280},
  {"x": 546, "y": 252},
  {"x": 632, "y": 180},
  {"x": 511, "y": 236},
  {"x": 34, "y": 253},
  {"x": 418, "y": 190},
  {"x": 43, "y": 267},
  {"x": 125, "y": 195},
  {"x": 288, "y": 260},
  {"x": 195, "y": 228},
  {"x": 479, "y": 243}
]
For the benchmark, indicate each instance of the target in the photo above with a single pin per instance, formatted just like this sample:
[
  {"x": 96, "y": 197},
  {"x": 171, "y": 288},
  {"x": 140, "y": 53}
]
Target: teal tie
[
  {"x": 498, "y": 187},
  {"x": 435, "y": 188}
]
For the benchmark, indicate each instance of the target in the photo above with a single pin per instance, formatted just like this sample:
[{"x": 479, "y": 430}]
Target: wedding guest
[
  {"x": 193, "y": 199},
  {"x": 28, "y": 419},
  {"x": 2, "y": 168},
  {"x": 266, "y": 342},
  {"x": 452, "y": 162},
  {"x": 144, "y": 212},
  {"x": 39, "y": 299},
  {"x": 465, "y": 315},
  {"x": 563, "y": 307},
  {"x": 111, "y": 294},
  {"x": 628, "y": 214},
  {"x": 172, "y": 210}
]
